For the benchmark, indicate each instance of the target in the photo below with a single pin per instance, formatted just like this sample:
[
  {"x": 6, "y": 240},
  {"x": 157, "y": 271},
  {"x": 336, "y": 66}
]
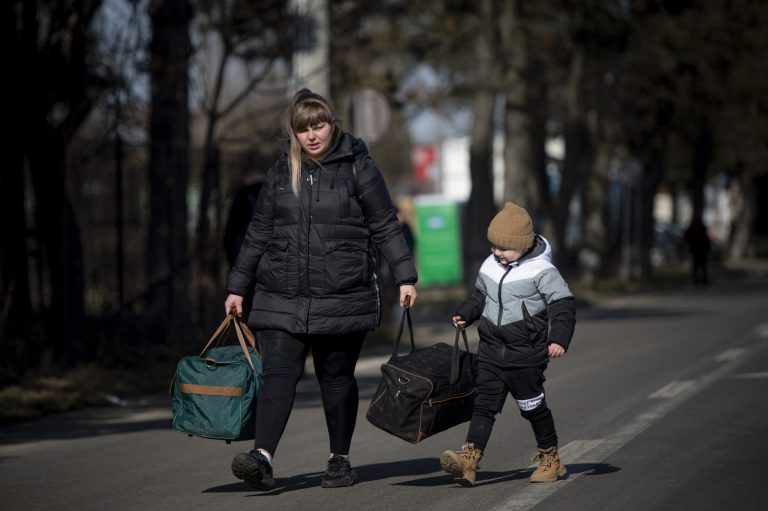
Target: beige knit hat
[{"x": 511, "y": 228}]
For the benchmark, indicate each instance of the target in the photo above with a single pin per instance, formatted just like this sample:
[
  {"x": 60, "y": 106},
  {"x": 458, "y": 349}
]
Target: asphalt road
[{"x": 662, "y": 403}]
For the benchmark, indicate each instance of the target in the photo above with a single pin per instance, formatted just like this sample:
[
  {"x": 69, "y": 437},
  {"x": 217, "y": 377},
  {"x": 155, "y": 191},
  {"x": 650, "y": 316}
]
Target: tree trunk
[
  {"x": 702, "y": 156},
  {"x": 45, "y": 148},
  {"x": 56, "y": 222},
  {"x": 167, "y": 254},
  {"x": 15, "y": 308},
  {"x": 518, "y": 157},
  {"x": 480, "y": 207},
  {"x": 594, "y": 235},
  {"x": 654, "y": 167},
  {"x": 525, "y": 172},
  {"x": 745, "y": 198},
  {"x": 578, "y": 147}
]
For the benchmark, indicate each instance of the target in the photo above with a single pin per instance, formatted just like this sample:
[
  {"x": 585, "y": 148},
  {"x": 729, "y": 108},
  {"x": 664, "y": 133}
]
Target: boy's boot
[
  {"x": 254, "y": 468},
  {"x": 462, "y": 465},
  {"x": 339, "y": 473},
  {"x": 550, "y": 467}
]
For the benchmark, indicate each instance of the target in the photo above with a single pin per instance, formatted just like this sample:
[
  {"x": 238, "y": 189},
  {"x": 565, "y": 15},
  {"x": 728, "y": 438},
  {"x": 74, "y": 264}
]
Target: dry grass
[{"x": 88, "y": 385}]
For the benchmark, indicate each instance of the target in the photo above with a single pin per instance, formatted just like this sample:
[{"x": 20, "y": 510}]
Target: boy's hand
[
  {"x": 555, "y": 350},
  {"x": 459, "y": 322}
]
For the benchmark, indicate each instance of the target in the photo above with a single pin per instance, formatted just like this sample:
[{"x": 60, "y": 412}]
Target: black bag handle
[
  {"x": 455, "y": 357},
  {"x": 406, "y": 315}
]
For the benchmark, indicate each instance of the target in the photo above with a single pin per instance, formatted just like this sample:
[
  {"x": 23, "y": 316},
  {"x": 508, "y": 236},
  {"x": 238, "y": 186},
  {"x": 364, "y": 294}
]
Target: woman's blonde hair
[{"x": 306, "y": 109}]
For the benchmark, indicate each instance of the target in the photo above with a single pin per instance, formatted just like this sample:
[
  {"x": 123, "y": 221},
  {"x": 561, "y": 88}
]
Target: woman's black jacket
[{"x": 312, "y": 256}]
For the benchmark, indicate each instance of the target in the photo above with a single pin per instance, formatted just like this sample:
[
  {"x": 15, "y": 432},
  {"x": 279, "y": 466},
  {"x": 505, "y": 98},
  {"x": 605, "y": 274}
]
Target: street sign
[{"x": 369, "y": 115}]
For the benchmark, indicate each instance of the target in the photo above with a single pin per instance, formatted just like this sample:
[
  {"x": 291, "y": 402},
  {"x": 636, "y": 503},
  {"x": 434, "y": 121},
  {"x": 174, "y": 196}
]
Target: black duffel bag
[{"x": 425, "y": 391}]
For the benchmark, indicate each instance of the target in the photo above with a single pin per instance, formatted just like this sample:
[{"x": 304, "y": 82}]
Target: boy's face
[{"x": 506, "y": 256}]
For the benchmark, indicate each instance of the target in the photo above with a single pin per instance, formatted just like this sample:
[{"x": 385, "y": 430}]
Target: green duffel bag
[{"x": 214, "y": 394}]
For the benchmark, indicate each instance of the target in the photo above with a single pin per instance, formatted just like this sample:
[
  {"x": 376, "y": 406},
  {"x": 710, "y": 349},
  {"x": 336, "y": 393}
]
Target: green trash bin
[{"x": 438, "y": 231}]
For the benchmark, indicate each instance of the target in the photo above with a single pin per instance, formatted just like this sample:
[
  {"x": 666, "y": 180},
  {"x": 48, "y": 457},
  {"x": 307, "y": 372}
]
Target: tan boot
[
  {"x": 550, "y": 467},
  {"x": 462, "y": 465}
]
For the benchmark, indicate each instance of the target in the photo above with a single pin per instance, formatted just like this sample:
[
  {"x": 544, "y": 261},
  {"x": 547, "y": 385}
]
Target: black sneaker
[
  {"x": 339, "y": 473},
  {"x": 253, "y": 468}
]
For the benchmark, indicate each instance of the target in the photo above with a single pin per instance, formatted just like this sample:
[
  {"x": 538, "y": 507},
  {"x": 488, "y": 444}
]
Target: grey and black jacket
[
  {"x": 312, "y": 256},
  {"x": 522, "y": 307}
]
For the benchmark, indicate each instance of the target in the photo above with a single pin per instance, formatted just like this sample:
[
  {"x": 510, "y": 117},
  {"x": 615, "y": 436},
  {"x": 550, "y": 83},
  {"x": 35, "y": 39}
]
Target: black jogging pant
[
  {"x": 284, "y": 356},
  {"x": 526, "y": 385}
]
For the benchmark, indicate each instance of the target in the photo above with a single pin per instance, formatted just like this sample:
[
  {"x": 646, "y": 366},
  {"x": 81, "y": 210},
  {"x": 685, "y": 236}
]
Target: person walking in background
[
  {"x": 526, "y": 315},
  {"x": 699, "y": 244},
  {"x": 323, "y": 207},
  {"x": 240, "y": 214}
]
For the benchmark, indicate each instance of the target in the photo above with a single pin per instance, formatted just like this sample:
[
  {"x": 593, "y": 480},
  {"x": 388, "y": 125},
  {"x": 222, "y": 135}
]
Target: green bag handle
[
  {"x": 243, "y": 334},
  {"x": 242, "y": 331}
]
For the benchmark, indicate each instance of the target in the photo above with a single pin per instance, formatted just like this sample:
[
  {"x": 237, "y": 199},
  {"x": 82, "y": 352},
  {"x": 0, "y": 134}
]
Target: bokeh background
[{"x": 128, "y": 128}]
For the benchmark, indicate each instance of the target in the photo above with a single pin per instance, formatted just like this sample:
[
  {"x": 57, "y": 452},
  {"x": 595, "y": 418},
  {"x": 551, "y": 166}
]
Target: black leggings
[
  {"x": 284, "y": 355},
  {"x": 526, "y": 385}
]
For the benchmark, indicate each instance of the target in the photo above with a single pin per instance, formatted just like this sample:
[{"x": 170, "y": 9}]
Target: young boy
[{"x": 526, "y": 317}]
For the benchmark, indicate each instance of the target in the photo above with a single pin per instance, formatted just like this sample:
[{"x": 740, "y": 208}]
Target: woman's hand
[
  {"x": 234, "y": 302},
  {"x": 407, "y": 290}
]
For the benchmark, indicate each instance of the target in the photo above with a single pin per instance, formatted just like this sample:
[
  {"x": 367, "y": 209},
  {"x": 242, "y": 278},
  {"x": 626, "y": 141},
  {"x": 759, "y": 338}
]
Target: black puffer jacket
[{"x": 312, "y": 256}]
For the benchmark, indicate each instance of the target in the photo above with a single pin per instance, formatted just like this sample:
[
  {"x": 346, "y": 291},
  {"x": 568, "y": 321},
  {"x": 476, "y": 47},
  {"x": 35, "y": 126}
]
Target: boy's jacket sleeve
[
  {"x": 472, "y": 308},
  {"x": 562, "y": 320}
]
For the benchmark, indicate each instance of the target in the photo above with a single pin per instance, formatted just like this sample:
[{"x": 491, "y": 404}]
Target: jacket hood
[
  {"x": 540, "y": 250},
  {"x": 345, "y": 146}
]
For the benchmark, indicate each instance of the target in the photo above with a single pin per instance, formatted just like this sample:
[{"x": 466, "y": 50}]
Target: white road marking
[
  {"x": 751, "y": 376},
  {"x": 672, "y": 389},
  {"x": 533, "y": 494},
  {"x": 730, "y": 354},
  {"x": 761, "y": 330}
]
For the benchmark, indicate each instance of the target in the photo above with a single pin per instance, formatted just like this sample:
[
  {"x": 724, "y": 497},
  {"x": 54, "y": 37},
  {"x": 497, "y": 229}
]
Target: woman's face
[{"x": 315, "y": 140}]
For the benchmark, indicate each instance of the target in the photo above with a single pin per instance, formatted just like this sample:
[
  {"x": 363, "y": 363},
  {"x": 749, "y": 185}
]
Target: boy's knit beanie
[{"x": 511, "y": 228}]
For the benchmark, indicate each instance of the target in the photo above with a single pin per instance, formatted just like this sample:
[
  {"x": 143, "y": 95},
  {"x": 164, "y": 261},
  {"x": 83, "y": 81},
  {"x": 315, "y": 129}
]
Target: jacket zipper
[
  {"x": 309, "y": 229},
  {"x": 501, "y": 307}
]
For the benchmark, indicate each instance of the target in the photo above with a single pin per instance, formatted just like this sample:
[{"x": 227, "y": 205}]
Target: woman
[{"x": 322, "y": 208}]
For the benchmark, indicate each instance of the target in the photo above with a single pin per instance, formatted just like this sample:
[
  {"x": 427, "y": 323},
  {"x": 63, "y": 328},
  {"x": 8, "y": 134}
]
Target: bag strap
[
  {"x": 406, "y": 316},
  {"x": 241, "y": 338},
  {"x": 243, "y": 334},
  {"x": 455, "y": 357},
  {"x": 248, "y": 335},
  {"x": 219, "y": 333}
]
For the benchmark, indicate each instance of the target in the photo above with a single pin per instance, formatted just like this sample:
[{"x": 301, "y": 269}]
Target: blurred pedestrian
[
  {"x": 526, "y": 315},
  {"x": 240, "y": 214},
  {"x": 700, "y": 245},
  {"x": 323, "y": 207}
]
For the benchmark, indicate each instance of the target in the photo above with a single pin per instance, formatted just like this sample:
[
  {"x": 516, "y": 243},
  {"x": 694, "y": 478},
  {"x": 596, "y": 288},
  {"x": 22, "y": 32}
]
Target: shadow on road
[
  {"x": 405, "y": 468},
  {"x": 372, "y": 472},
  {"x": 487, "y": 478},
  {"x": 90, "y": 422}
]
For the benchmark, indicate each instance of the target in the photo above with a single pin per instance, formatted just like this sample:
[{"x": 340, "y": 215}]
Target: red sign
[{"x": 423, "y": 158}]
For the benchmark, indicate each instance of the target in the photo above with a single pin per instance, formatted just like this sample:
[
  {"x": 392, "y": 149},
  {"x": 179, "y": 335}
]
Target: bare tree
[
  {"x": 167, "y": 249},
  {"x": 56, "y": 87},
  {"x": 243, "y": 36}
]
